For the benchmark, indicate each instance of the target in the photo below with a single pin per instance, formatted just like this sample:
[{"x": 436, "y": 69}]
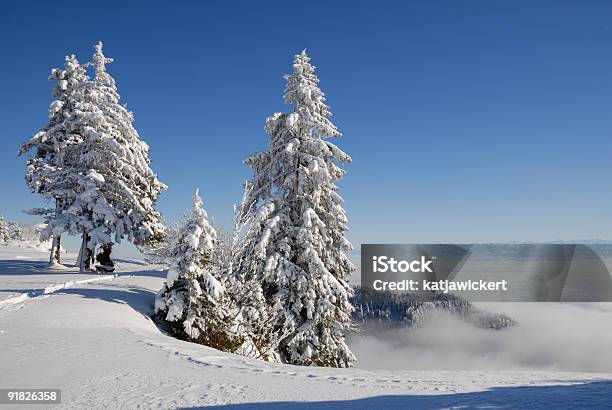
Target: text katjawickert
[{"x": 384, "y": 264}]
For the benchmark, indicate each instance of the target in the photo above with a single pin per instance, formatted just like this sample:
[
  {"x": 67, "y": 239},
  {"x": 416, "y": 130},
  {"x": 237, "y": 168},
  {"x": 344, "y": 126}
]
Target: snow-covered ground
[{"x": 91, "y": 336}]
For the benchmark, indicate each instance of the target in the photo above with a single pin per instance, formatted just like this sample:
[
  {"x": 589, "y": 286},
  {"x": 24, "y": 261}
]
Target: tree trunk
[
  {"x": 55, "y": 250},
  {"x": 58, "y": 250},
  {"x": 55, "y": 246},
  {"x": 84, "y": 260},
  {"x": 92, "y": 257}
]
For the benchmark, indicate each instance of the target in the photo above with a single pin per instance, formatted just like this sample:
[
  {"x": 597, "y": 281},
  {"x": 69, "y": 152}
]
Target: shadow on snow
[
  {"x": 25, "y": 267},
  {"x": 139, "y": 299},
  {"x": 9, "y": 267},
  {"x": 150, "y": 273},
  {"x": 592, "y": 395}
]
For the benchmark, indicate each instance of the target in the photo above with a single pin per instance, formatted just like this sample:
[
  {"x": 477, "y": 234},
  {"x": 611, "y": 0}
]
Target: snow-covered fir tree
[
  {"x": 111, "y": 189},
  {"x": 52, "y": 168},
  {"x": 295, "y": 245},
  {"x": 31, "y": 232},
  {"x": 5, "y": 234},
  {"x": 15, "y": 231},
  {"x": 10, "y": 231},
  {"x": 193, "y": 303}
]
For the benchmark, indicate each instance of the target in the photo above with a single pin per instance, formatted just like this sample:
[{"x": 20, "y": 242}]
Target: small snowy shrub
[{"x": 194, "y": 305}]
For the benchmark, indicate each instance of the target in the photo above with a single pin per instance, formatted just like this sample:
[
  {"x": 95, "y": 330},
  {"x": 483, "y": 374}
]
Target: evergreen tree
[
  {"x": 109, "y": 188},
  {"x": 50, "y": 171},
  {"x": 193, "y": 304},
  {"x": 15, "y": 231},
  {"x": 295, "y": 244},
  {"x": 5, "y": 235}
]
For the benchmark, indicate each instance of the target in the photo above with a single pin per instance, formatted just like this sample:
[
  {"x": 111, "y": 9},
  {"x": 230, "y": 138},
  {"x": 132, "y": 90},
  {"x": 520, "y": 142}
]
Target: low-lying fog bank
[{"x": 547, "y": 336}]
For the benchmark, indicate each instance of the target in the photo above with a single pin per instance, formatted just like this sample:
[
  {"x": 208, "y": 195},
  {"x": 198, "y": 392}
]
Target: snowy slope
[{"x": 94, "y": 340}]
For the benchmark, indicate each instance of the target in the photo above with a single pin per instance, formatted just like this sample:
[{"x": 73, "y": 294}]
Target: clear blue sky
[{"x": 466, "y": 120}]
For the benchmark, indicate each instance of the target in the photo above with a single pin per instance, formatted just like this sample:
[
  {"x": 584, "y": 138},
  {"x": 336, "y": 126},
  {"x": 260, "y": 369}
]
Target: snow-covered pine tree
[
  {"x": 50, "y": 171},
  {"x": 295, "y": 246},
  {"x": 112, "y": 189},
  {"x": 15, "y": 231},
  {"x": 5, "y": 235},
  {"x": 32, "y": 232},
  {"x": 193, "y": 304}
]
